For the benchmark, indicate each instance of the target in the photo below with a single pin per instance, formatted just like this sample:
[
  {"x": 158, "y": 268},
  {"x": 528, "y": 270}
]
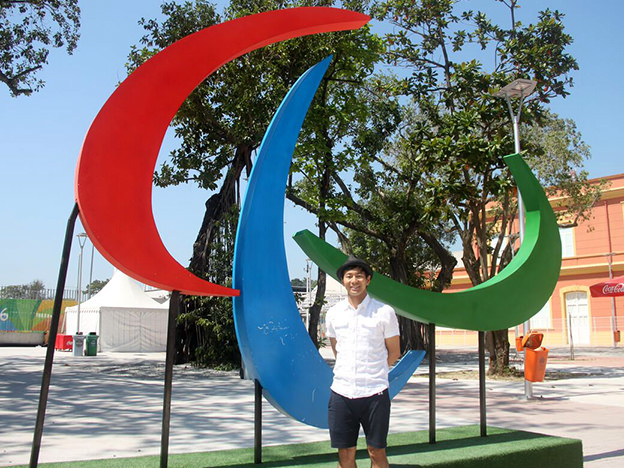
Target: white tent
[{"x": 124, "y": 317}]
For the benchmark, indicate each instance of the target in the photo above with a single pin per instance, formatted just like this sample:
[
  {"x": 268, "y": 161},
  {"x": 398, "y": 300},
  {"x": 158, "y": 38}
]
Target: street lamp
[
  {"x": 90, "y": 273},
  {"x": 82, "y": 239},
  {"x": 519, "y": 88}
]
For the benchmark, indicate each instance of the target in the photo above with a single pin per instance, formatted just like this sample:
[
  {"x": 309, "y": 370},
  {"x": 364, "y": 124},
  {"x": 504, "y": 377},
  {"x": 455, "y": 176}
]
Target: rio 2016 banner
[{"x": 25, "y": 315}]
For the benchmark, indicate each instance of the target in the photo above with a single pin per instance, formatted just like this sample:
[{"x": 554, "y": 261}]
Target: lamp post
[
  {"x": 82, "y": 239},
  {"x": 519, "y": 88},
  {"x": 90, "y": 273}
]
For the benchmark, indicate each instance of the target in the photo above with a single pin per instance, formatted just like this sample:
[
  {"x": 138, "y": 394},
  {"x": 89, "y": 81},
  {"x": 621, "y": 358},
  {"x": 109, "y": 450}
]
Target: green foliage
[
  {"x": 297, "y": 282},
  {"x": 460, "y": 132},
  {"x": 33, "y": 290},
  {"x": 557, "y": 153},
  {"x": 28, "y": 28},
  {"x": 95, "y": 286},
  {"x": 209, "y": 326}
]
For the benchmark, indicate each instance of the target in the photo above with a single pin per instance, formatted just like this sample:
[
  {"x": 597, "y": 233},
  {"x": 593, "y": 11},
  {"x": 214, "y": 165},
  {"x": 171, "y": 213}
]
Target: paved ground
[{"x": 110, "y": 405}]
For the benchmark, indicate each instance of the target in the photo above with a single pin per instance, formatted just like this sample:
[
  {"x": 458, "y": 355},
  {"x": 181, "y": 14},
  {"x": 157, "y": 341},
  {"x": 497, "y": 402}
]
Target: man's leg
[
  {"x": 346, "y": 458},
  {"x": 375, "y": 423},
  {"x": 344, "y": 427},
  {"x": 378, "y": 457}
]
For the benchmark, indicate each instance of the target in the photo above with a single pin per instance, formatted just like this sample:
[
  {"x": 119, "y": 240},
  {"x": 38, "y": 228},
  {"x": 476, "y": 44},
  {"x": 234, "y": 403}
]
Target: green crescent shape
[{"x": 508, "y": 299}]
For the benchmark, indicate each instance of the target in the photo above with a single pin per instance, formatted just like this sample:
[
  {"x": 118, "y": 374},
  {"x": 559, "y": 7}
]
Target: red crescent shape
[{"x": 113, "y": 185}]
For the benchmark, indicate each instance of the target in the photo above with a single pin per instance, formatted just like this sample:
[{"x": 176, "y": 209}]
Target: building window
[
  {"x": 567, "y": 242},
  {"x": 542, "y": 319}
]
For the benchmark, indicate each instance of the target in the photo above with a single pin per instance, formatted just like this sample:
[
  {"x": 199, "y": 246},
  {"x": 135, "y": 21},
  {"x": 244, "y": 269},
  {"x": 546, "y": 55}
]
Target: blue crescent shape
[{"x": 275, "y": 346}]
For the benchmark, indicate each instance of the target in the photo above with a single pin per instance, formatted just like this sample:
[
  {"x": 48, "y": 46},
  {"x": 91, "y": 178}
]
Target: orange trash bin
[
  {"x": 535, "y": 364},
  {"x": 533, "y": 340}
]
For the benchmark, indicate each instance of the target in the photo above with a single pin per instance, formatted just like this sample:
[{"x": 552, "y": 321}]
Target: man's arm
[
  {"x": 332, "y": 341},
  {"x": 393, "y": 345}
]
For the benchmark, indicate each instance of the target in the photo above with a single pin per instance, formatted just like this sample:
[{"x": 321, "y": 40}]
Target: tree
[
  {"x": 462, "y": 132},
  {"x": 380, "y": 203},
  {"x": 33, "y": 290},
  {"x": 95, "y": 287},
  {"x": 28, "y": 28},
  {"x": 557, "y": 152}
]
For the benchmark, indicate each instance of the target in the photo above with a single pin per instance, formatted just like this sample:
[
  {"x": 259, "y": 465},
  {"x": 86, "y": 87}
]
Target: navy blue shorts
[{"x": 346, "y": 415}]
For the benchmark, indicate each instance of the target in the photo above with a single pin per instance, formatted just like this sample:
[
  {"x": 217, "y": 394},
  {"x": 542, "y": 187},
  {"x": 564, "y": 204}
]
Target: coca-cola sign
[{"x": 613, "y": 288}]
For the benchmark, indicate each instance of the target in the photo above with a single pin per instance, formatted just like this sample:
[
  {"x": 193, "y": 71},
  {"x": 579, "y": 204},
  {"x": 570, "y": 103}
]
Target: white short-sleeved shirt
[{"x": 361, "y": 367}]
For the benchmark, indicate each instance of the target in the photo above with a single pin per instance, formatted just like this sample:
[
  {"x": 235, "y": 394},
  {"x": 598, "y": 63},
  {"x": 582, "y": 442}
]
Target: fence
[
  {"x": 578, "y": 331},
  {"x": 19, "y": 292}
]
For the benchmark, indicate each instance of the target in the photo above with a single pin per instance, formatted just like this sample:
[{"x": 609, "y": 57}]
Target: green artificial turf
[{"x": 457, "y": 447}]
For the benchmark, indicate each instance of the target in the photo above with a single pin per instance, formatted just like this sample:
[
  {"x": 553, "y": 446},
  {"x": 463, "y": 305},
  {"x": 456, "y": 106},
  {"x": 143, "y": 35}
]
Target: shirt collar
[{"x": 363, "y": 305}]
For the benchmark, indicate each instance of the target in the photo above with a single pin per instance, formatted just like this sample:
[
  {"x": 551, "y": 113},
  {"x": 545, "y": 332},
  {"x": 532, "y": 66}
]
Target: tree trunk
[
  {"x": 447, "y": 262},
  {"x": 497, "y": 344},
  {"x": 186, "y": 338},
  {"x": 315, "y": 309},
  {"x": 413, "y": 333},
  {"x": 216, "y": 207},
  {"x": 319, "y": 299}
]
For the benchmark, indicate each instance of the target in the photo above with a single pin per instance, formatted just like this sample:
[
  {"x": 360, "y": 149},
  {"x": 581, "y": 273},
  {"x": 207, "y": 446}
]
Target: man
[{"x": 364, "y": 335}]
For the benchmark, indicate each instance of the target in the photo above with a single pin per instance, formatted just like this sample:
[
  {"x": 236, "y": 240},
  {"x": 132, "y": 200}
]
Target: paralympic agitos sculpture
[
  {"x": 113, "y": 191},
  {"x": 274, "y": 343}
]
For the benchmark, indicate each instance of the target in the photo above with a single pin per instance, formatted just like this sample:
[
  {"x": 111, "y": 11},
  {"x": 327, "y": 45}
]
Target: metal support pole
[
  {"x": 54, "y": 323},
  {"x": 432, "y": 384},
  {"x": 90, "y": 272},
  {"x": 482, "y": 407},
  {"x": 174, "y": 308},
  {"x": 614, "y": 325},
  {"x": 613, "y": 312},
  {"x": 515, "y": 118},
  {"x": 257, "y": 422},
  {"x": 570, "y": 337},
  {"x": 82, "y": 239}
]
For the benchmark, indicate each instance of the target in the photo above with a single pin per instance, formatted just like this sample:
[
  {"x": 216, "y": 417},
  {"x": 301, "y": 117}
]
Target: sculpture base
[{"x": 455, "y": 447}]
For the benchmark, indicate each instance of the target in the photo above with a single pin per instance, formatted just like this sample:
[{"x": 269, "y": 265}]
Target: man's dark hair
[{"x": 351, "y": 263}]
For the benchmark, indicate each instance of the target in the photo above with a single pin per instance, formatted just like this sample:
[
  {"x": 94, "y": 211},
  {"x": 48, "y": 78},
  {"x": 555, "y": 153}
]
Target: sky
[{"x": 41, "y": 135}]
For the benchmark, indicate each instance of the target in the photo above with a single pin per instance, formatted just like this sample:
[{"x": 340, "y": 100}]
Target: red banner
[{"x": 612, "y": 287}]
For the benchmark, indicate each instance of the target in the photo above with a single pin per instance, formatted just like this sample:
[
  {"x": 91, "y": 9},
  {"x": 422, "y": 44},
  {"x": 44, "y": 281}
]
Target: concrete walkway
[{"x": 110, "y": 405}]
